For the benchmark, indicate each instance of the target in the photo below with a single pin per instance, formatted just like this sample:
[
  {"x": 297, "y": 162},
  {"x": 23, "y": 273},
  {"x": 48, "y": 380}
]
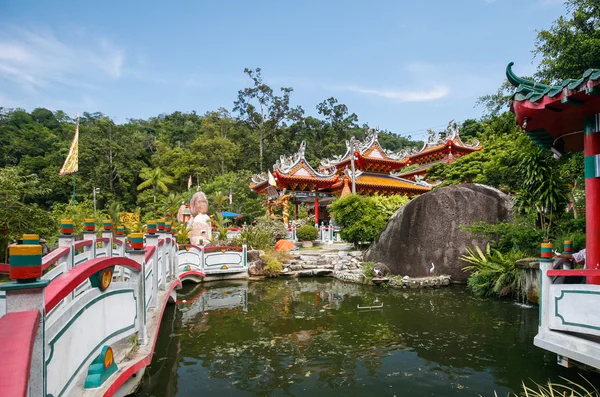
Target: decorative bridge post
[
  {"x": 26, "y": 293},
  {"x": 120, "y": 238},
  {"x": 152, "y": 241},
  {"x": 138, "y": 254},
  {"x": 167, "y": 256},
  {"x": 66, "y": 239},
  {"x": 90, "y": 235},
  {"x": 107, "y": 234},
  {"x": 546, "y": 263}
]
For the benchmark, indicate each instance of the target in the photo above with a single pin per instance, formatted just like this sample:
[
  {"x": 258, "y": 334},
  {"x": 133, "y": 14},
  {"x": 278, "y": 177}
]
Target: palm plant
[
  {"x": 221, "y": 225},
  {"x": 155, "y": 178},
  {"x": 170, "y": 206},
  {"x": 114, "y": 213},
  {"x": 493, "y": 273},
  {"x": 220, "y": 200}
]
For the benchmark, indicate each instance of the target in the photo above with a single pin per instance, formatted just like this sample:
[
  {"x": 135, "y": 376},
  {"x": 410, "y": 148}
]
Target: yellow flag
[
  {"x": 271, "y": 179},
  {"x": 71, "y": 164}
]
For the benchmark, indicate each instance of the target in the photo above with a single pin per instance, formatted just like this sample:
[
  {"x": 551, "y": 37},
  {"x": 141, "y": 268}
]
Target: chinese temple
[
  {"x": 566, "y": 118},
  {"x": 365, "y": 168},
  {"x": 439, "y": 148}
]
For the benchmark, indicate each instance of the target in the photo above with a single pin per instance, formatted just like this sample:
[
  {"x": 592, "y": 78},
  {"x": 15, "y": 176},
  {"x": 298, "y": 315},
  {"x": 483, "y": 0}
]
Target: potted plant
[{"x": 306, "y": 234}]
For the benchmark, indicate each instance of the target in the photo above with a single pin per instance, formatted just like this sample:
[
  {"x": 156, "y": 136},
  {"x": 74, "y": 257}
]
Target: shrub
[
  {"x": 517, "y": 235},
  {"x": 368, "y": 269},
  {"x": 258, "y": 239},
  {"x": 307, "y": 233},
  {"x": 264, "y": 233},
  {"x": 364, "y": 218},
  {"x": 493, "y": 273},
  {"x": 272, "y": 266}
]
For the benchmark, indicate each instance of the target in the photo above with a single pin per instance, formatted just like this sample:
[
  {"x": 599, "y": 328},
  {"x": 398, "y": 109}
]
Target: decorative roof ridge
[
  {"x": 288, "y": 164},
  {"x": 348, "y": 173},
  {"x": 258, "y": 178},
  {"x": 517, "y": 81},
  {"x": 533, "y": 92},
  {"x": 361, "y": 147}
]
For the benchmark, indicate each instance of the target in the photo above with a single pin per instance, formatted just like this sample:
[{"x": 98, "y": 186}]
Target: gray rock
[
  {"x": 305, "y": 273},
  {"x": 309, "y": 258},
  {"x": 343, "y": 254},
  {"x": 322, "y": 272},
  {"x": 308, "y": 266},
  {"x": 295, "y": 267},
  {"x": 426, "y": 230},
  {"x": 381, "y": 270},
  {"x": 256, "y": 268},
  {"x": 254, "y": 255}
]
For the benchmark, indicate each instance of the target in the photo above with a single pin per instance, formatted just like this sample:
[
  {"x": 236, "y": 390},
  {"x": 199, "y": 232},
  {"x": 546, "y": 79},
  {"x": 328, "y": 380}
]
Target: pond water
[{"x": 307, "y": 337}]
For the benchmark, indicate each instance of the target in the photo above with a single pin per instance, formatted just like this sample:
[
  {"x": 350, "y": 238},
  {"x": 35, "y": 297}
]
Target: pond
[{"x": 307, "y": 337}]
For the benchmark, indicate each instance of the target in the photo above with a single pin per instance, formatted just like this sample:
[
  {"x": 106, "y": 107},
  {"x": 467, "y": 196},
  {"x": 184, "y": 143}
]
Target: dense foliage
[
  {"x": 363, "y": 218},
  {"x": 144, "y": 165},
  {"x": 307, "y": 233},
  {"x": 493, "y": 273}
]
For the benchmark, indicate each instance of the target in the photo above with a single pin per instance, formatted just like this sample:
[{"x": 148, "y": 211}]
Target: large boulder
[{"x": 426, "y": 230}]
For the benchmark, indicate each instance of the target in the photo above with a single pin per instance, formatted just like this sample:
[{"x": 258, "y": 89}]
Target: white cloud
[
  {"x": 432, "y": 94},
  {"x": 38, "y": 59}
]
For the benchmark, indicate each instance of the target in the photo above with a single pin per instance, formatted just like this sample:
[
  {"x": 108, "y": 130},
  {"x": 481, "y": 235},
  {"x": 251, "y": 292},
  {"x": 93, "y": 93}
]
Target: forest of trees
[{"x": 144, "y": 165}]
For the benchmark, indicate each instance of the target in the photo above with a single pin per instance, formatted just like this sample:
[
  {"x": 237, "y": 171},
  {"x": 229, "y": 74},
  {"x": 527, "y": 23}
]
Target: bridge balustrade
[
  {"x": 198, "y": 259},
  {"x": 569, "y": 322},
  {"x": 97, "y": 295}
]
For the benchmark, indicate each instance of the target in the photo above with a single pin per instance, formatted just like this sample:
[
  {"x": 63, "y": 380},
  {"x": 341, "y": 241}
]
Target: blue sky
[{"x": 402, "y": 65}]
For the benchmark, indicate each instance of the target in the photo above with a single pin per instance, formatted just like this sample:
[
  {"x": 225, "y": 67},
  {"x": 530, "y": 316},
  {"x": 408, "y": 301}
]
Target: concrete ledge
[{"x": 579, "y": 349}]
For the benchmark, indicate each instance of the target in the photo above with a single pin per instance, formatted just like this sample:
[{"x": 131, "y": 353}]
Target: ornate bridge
[{"x": 84, "y": 319}]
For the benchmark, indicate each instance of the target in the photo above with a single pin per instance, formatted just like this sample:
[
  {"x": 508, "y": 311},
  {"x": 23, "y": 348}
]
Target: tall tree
[
  {"x": 572, "y": 44},
  {"x": 263, "y": 110},
  {"x": 156, "y": 179}
]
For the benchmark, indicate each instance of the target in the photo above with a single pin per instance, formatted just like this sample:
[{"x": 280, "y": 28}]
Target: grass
[{"x": 552, "y": 389}]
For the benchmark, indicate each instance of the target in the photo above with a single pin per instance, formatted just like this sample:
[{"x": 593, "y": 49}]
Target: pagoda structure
[
  {"x": 566, "y": 118},
  {"x": 439, "y": 148},
  {"x": 365, "y": 168}
]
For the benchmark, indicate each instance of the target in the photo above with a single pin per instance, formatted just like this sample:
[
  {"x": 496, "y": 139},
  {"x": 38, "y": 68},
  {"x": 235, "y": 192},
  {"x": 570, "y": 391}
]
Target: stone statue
[{"x": 199, "y": 223}]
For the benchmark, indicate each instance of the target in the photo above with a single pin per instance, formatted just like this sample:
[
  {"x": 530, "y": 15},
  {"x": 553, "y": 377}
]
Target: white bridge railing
[
  {"x": 98, "y": 294},
  {"x": 212, "y": 260},
  {"x": 569, "y": 323}
]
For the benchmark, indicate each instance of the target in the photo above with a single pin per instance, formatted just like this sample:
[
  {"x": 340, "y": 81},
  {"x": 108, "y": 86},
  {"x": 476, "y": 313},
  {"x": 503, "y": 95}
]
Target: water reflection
[{"x": 297, "y": 337}]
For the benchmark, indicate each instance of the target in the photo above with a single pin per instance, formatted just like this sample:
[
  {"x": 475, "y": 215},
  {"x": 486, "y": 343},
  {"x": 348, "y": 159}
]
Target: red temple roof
[{"x": 553, "y": 115}]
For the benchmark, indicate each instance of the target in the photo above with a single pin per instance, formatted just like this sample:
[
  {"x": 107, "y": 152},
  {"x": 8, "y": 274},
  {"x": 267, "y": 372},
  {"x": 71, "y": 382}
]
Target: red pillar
[
  {"x": 591, "y": 152},
  {"x": 317, "y": 212}
]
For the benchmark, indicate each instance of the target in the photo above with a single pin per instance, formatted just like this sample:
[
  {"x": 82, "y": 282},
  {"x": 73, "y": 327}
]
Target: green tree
[
  {"x": 156, "y": 179},
  {"x": 17, "y": 216},
  {"x": 572, "y": 44},
  {"x": 264, "y": 111}
]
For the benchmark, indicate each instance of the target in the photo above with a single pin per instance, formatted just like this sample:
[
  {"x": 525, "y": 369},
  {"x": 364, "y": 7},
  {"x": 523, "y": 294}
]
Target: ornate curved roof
[
  {"x": 368, "y": 151},
  {"x": 553, "y": 115}
]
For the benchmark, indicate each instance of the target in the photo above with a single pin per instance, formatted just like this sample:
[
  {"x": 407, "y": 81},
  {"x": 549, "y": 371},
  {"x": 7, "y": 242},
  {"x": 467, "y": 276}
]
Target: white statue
[{"x": 199, "y": 223}]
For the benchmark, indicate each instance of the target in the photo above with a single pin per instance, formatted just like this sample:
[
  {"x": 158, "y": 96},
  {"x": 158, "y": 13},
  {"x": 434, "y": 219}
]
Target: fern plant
[{"x": 492, "y": 272}]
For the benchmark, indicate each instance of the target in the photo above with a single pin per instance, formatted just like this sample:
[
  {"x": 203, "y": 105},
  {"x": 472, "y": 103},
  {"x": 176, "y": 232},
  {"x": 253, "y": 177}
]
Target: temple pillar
[
  {"x": 317, "y": 212},
  {"x": 591, "y": 152}
]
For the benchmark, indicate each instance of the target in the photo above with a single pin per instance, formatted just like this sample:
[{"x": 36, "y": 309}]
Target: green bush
[
  {"x": 272, "y": 266},
  {"x": 517, "y": 235},
  {"x": 368, "y": 269},
  {"x": 307, "y": 233},
  {"x": 493, "y": 273},
  {"x": 258, "y": 239},
  {"x": 363, "y": 218},
  {"x": 264, "y": 234}
]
